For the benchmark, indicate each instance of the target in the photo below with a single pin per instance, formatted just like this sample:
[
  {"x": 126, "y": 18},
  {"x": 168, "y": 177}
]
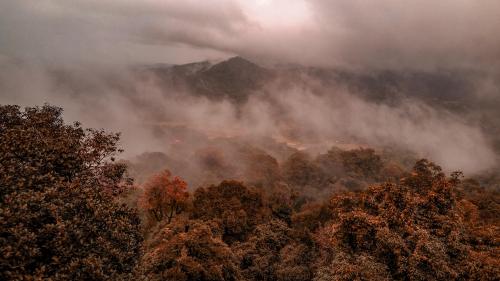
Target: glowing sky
[{"x": 277, "y": 13}]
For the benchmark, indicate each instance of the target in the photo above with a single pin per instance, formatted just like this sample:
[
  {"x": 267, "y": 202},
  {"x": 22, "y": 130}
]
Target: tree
[
  {"x": 362, "y": 162},
  {"x": 237, "y": 208},
  {"x": 275, "y": 251},
  {"x": 163, "y": 197},
  {"x": 299, "y": 170},
  {"x": 413, "y": 230},
  {"x": 59, "y": 214},
  {"x": 191, "y": 251}
]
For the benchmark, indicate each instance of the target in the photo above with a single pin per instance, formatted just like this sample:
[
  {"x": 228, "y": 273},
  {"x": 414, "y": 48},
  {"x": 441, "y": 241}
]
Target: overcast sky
[
  {"x": 40, "y": 36},
  {"x": 354, "y": 33}
]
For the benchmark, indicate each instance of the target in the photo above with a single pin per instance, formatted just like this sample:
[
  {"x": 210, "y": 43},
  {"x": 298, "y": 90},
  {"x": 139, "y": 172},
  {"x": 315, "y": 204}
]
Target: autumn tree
[
  {"x": 260, "y": 254},
  {"x": 413, "y": 230},
  {"x": 362, "y": 162},
  {"x": 164, "y": 196},
  {"x": 59, "y": 214},
  {"x": 192, "y": 250},
  {"x": 335, "y": 171},
  {"x": 259, "y": 168},
  {"x": 299, "y": 170},
  {"x": 275, "y": 251},
  {"x": 237, "y": 208}
]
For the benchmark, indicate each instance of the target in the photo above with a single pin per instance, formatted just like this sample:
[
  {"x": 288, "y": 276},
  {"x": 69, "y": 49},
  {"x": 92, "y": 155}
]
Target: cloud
[
  {"x": 424, "y": 33},
  {"x": 358, "y": 34},
  {"x": 313, "y": 116},
  {"x": 94, "y": 41},
  {"x": 440, "y": 136},
  {"x": 113, "y": 31}
]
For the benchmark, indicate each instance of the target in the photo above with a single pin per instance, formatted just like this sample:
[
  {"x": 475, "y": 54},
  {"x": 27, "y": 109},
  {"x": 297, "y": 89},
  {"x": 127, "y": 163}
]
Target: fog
[
  {"x": 78, "y": 55},
  {"x": 309, "y": 117}
]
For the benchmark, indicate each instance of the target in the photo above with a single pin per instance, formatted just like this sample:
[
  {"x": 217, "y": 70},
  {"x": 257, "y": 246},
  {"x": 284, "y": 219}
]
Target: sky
[
  {"x": 422, "y": 34},
  {"x": 94, "y": 42}
]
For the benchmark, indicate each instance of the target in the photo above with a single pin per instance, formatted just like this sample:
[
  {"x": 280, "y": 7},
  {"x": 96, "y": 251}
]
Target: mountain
[
  {"x": 237, "y": 78},
  {"x": 234, "y": 79}
]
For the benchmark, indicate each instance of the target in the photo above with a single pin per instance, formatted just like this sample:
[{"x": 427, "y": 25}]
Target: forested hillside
[
  {"x": 237, "y": 140},
  {"x": 69, "y": 210}
]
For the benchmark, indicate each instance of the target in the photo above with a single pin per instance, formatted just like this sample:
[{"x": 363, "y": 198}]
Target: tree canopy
[
  {"x": 59, "y": 217},
  {"x": 343, "y": 215}
]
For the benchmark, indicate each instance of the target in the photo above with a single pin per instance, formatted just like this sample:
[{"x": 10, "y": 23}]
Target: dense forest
[
  {"x": 71, "y": 210},
  {"x": 237, "y": 140}
]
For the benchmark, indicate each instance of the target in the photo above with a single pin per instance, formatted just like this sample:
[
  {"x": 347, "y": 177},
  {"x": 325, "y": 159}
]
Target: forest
[
  {"x": 237, "y": 140},
  {"x": 72, "y": 209}
]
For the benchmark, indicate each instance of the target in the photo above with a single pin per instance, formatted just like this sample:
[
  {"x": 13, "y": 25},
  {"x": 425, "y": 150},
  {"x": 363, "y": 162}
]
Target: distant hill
[
  {"x": 237, "y": 78},
  {"x": 234, "y": 79}
]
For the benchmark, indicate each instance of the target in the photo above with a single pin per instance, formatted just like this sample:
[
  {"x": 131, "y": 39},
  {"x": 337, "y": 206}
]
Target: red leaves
[{"x": 163, "y": 197}]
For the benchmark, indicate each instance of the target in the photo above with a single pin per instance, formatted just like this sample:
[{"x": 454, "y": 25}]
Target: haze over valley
[{"x": 365, "y": 135}]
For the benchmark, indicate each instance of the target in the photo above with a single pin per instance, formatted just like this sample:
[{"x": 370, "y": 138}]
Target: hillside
[
  {"x": 468, "y": 94},
  {"x": 234, "y": 79},
  {"x": 68, "y": 210}
]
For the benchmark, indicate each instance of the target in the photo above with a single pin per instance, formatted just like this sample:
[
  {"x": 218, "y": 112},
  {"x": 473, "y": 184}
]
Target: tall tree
[
  {"x": 59, "y": 217},
  {"x": 164, "y": 196}
]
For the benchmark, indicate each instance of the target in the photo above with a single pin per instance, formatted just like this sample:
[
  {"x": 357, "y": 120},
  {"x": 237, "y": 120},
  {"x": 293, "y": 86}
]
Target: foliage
[
  {"x": 164, "y": 197},
  {"x": 260, "y": 254},
  {"x": 274, "y": 252},
  {"x": 299, "y": 170},
  {"x": 362, "y": 162},
  {"x": 337, "y": 171},
  {"x": 59, "y": 217},
  {"x": 415, "y": 230},
  {"x": 192, "y": 251},
  {"x": 235, "y": 207}
]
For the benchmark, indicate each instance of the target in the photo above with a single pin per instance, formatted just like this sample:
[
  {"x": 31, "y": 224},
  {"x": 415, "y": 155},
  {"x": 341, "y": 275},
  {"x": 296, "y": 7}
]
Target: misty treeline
[
  {"x": 450, "y": 116},
  {"x": 70, "y": 211}
]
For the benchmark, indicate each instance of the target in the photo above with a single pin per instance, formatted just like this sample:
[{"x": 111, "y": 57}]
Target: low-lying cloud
[
  {"x": 77, "y": 54},
  {"x": 148, "y": 117}
]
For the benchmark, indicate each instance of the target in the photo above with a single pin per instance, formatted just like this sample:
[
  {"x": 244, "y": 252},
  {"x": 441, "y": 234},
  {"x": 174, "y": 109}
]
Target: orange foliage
[
  {"x": 163, "y": 197},
  {"x": 415, "y": 230}
]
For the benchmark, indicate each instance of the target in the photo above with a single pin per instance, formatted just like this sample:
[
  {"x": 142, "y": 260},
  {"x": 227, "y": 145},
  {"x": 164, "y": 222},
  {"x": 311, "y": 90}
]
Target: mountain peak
[
  {"x": 238, "y": 62},
  {"x": 238, "y": 59}
]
